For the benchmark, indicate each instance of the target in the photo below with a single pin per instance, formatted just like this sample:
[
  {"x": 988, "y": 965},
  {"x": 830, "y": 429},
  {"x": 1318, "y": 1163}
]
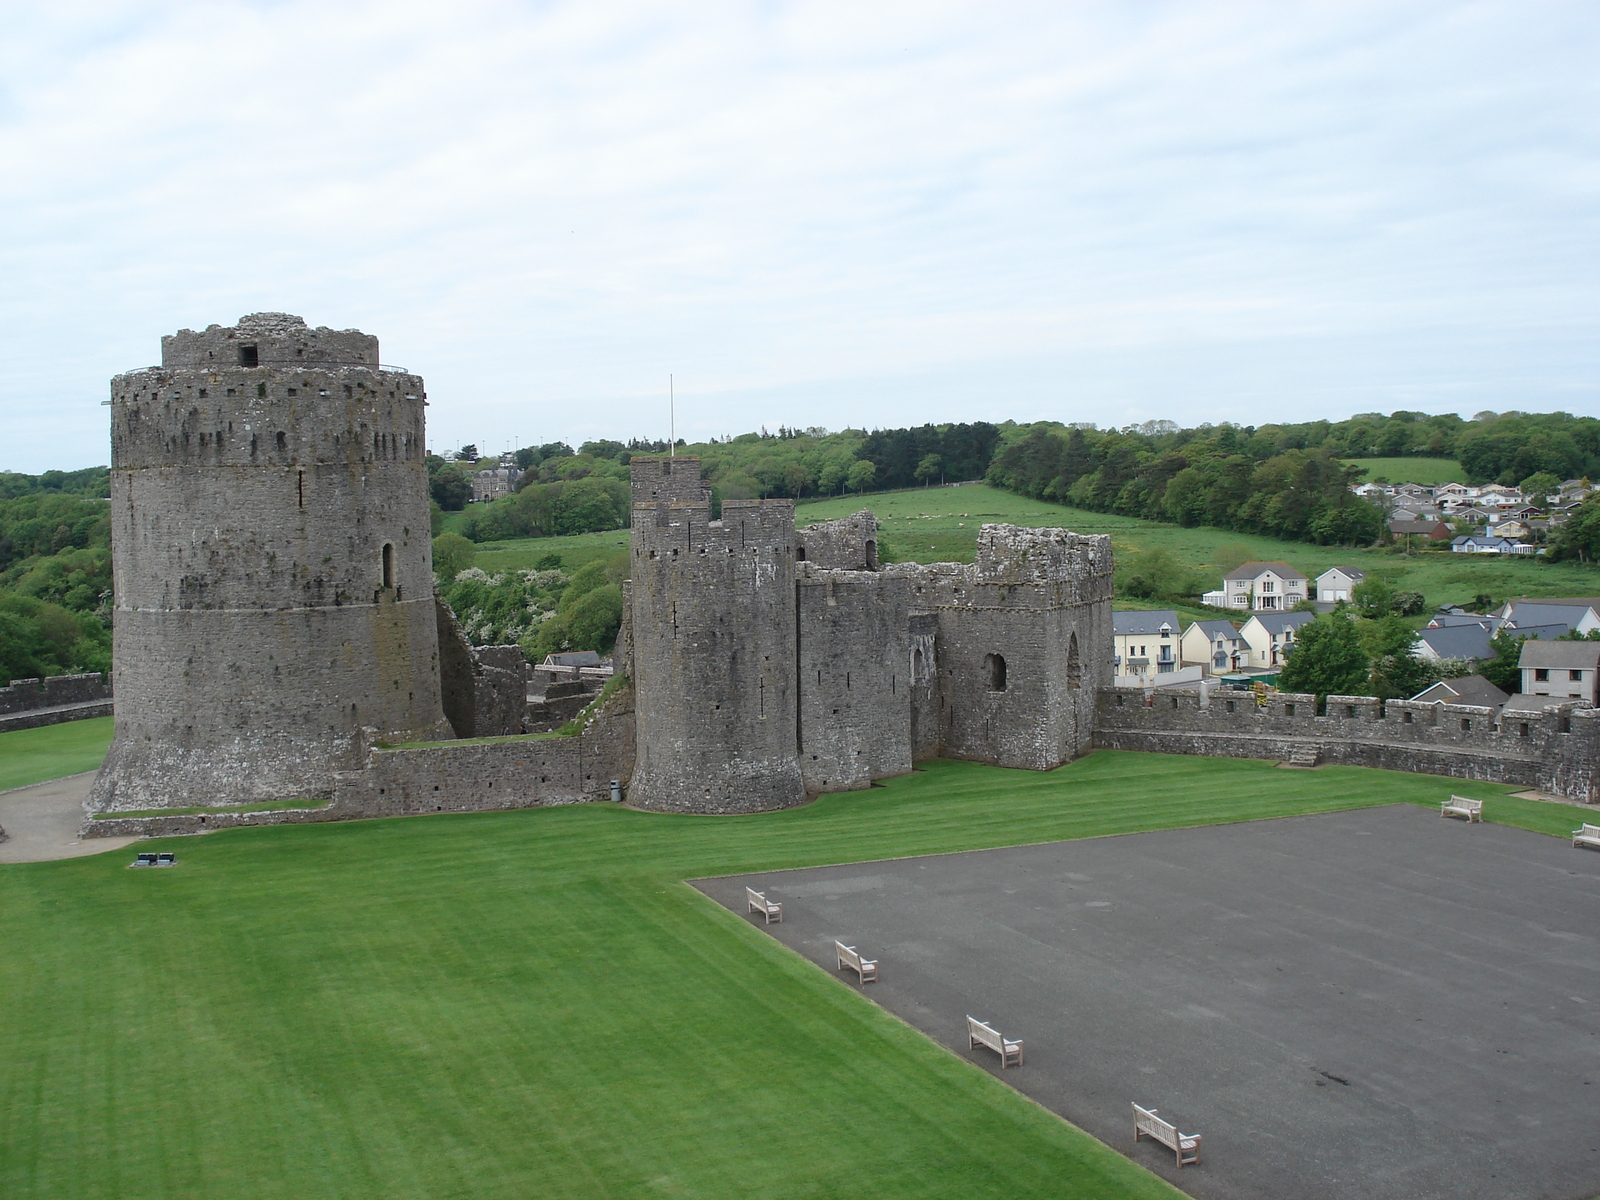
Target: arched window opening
[
  {"x": 995, "y": 666},
  {"x": 388, "y": 564},
  {"x": 800, "y": 553},
  {"x": 916, "y": 665},
  {"x": 872, "y": 554},
  {"x": 1074, "y": 663}
]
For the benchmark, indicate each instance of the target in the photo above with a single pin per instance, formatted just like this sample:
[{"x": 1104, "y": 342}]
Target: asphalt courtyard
[{"x": 1370, "y": 1004}]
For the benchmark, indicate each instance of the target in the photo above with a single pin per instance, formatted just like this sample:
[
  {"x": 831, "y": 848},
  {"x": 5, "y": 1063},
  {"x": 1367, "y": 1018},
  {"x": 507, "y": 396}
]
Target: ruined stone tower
[
  {"x": 713, "y": 629},
  {"x": 272, "y": 562}
]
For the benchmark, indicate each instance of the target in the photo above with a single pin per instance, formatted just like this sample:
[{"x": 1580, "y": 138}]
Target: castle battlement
[
  {"x": 1555, "y": 749},
  {"x": 268, "y": 339}
]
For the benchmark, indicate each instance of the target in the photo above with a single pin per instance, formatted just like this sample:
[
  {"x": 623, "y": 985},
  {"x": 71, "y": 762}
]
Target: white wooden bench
[
  {"x": 1587, "y": 835},
  {"x": 865, "y": 968},
  {"x": 1460, "y": 806},
  {"x": 1185, "y": 1145},
  {"x": 979, "y": 1034},
  {"x": 759, "y": 903}
]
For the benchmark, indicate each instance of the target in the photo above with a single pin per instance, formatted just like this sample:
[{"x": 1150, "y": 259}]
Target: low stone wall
[
  {"x": 54, "y": 716},
  {"x": 1557, "y": 751},
  {"x": 26, "y": 694},
  {"x": 467, "y": 776}
]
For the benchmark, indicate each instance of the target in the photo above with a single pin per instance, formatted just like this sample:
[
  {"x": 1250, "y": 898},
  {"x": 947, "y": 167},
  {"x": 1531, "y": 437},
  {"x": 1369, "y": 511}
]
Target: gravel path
[{"x": 41, "y": 822}]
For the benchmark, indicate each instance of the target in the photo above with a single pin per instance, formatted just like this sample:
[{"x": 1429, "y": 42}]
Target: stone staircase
[{"x": 1304, "y": 757}]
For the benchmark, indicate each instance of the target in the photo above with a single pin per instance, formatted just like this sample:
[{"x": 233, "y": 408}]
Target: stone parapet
[
  {"x": 1557, "y": 750},
  {"x": 53, "y": 691}
]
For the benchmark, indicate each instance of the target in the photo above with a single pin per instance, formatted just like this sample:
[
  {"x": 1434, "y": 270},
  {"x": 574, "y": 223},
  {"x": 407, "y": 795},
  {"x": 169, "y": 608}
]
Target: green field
[
  {"x": 933, "y": 524},
  {"x": 1426, "y": 471},
  {"x": 941, "y": 525},
  {"x": 519, "y": 554},
  {"x": 532, "y": 1003},
  {"x": 52, "y": 751}
]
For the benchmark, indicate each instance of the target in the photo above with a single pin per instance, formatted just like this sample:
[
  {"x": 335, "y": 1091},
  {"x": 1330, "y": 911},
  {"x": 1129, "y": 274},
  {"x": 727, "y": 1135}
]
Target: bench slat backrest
[{"x": 1147, "y": 1120}]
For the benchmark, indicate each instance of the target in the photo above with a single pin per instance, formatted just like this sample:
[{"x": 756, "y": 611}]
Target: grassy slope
[
  {"x": 1426, "y": 471},
  {"x": 51, "y": 751},
  {"x": 931, "y": 524},
  {"x": 521, "y": 553},
  {"x": 533, "y": 1004}
]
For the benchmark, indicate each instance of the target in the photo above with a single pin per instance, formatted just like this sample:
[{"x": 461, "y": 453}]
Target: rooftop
[
  {"x": 1557, "y": 653},
  {"x": 1144, "y": 621},
  {"x": 1252, "y": 570}
]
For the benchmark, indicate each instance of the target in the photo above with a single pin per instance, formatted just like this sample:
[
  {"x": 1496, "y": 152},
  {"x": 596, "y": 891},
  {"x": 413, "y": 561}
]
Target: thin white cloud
[{"x": 811, "y": 213}]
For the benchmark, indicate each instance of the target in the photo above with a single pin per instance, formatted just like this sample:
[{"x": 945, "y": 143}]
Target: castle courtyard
[
  {"x": 1361, "y": 1005},
  {"x": 535, "y": 1003}
]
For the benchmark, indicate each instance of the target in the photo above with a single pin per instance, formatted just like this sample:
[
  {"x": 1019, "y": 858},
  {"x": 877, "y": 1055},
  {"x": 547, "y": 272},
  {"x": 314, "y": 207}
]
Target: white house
[
  {"x": 1335, "y": 583},
  {"x": 1144, "y": 642},
  {"x": 1561, "y": 670},
  {"x": 1260, "y": 587},
  {"x": 1271, "y": 635},
  {"x": 1214, "y": 645}
]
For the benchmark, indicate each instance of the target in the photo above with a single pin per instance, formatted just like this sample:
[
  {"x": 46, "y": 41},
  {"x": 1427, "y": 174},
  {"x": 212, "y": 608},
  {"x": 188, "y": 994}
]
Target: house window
[
  {"x": 1466, "y": 724},
  {"x": 1522, "y": 729},
  {"x": 1267, "y": 585},
  {"x": 1575, "y": 675},
  {"x": 1405, "y": 717},
  {"x": 1288, "y": 710},
  {"x": 1541, "y": 675}
]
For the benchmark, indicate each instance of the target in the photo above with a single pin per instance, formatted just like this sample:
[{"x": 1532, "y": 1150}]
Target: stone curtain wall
[
  {"x": 520, "y": 772},
  {"x": 1556, "y": 751},
  {"x": 26, "y": 694},
  {"x": 30, "y": 703},
  {"x": 854, "y": 678}
]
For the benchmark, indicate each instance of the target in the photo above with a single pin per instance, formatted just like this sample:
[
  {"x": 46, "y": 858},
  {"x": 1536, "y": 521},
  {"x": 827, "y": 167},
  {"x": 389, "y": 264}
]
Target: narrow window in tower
[
  {"x": 1074, "y": 663},
  {"x": 283, "y": 440},
  {"x": 302, "y": 486},
  {"x": 388, "y": 564},
  {"x": 872, "y": 555},
  {"x": 995, "y": 665},
  {"x": 248, "y": 357},
  {"x": 261, "y": 391}
]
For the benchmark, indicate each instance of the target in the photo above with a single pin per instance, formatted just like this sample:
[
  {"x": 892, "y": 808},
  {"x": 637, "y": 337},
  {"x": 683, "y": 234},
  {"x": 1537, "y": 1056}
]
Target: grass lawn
[
  {"x": 1426, "y": 471},
  {"x": 533, "y": 1003},
  {"x": 934, "y": 524},
  {"x": 52, "y": 751},
  {"x": 520, "y": 554}
]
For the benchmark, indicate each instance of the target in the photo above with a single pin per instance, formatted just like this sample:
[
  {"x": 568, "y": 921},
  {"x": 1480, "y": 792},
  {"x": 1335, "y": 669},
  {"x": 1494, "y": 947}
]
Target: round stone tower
[
  {"x": 273, "y": 567},
  {"x": 713, "y": 624}
]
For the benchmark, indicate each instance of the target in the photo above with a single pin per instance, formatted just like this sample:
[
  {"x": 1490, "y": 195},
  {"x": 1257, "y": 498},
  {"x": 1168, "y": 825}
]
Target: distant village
[
  {"x": 1152, "y": 649},
  {"x": 1492, "y": 519}
]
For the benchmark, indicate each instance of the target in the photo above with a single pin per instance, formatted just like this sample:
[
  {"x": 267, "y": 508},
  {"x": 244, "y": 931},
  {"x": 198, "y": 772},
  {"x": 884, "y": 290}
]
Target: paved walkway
[
  {"x": 41, "y": 822},
  {"x": 1364, "y": 1005}
]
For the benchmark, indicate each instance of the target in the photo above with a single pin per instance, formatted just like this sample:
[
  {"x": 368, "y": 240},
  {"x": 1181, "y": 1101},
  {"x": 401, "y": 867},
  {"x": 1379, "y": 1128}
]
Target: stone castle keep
[{"x": 277, "y": 636}]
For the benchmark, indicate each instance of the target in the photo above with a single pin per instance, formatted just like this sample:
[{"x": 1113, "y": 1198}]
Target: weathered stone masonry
[
  {"x": 1555, "y": 752},
  {"x": 272, "y": 563},
  {"x": 773, "y": 663}
]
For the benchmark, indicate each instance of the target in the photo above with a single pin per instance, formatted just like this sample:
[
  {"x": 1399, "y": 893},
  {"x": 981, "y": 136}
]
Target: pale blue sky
[{"x": 811, "y": 214}]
